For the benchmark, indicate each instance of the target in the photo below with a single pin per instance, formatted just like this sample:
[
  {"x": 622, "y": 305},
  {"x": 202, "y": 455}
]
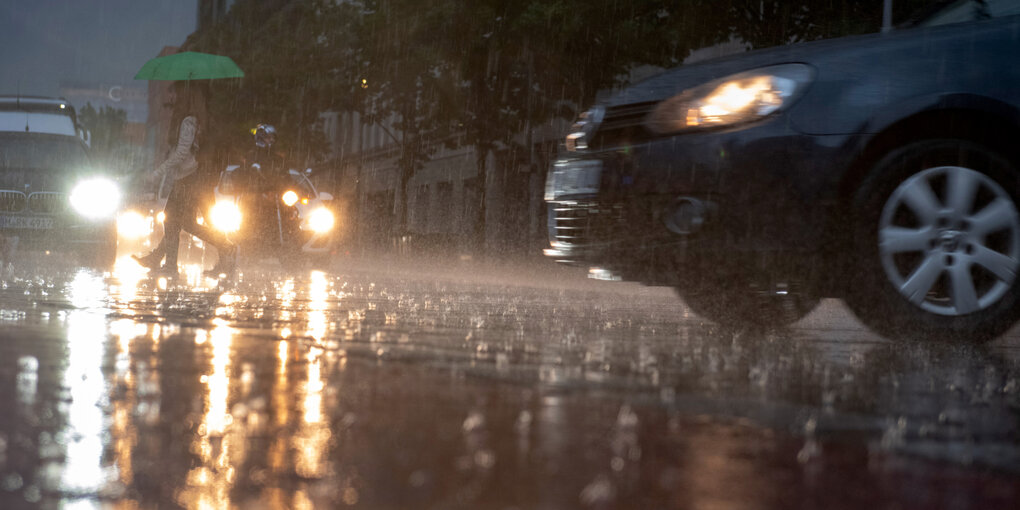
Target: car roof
[{"x": 33, "y": 103}]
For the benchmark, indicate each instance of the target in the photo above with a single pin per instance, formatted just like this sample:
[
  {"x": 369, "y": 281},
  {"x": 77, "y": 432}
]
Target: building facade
[{"x": 452, "y": 208}]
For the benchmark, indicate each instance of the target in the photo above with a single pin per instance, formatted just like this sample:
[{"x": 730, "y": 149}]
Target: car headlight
[
  {"x": 225, "y": 216},
  {"x": 735, "y": 99},
  {"x": 132, "y": 225},
  {"x": 583, "y": 128},
  {"x": 95, "y": 198},
  {"x": 289, "y": 198},
  {"x": 321, "y": 220}
]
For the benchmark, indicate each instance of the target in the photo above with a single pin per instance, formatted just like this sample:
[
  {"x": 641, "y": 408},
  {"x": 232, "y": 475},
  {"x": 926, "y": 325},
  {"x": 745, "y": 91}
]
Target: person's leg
[
  {"x": 154, "y": 258},
  {"x": 171, "y": 232},
  {"x": 192, "y": 208},
  {"x": 171, "y": 243},
  {"x": 176, "y": 212}
]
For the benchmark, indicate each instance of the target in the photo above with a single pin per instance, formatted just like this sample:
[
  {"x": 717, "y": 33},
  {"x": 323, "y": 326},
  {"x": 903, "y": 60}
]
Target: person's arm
[{"x": 181, "y": 153}]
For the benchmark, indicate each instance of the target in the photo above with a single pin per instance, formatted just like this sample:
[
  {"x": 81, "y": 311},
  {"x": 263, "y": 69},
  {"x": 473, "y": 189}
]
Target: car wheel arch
[
  {"x": 975, "y": 118},
  {"x": 998, "y": 130}
]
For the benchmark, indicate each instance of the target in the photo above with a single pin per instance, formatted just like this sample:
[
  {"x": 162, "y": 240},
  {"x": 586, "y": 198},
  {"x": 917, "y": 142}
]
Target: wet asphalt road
[{"x": 378, "y": 385}]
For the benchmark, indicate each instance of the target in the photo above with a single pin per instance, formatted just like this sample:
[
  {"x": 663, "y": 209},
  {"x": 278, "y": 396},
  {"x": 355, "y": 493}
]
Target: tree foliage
[
  {"x": 107, "y": 141},
  {"x": 298, "y": 58}
]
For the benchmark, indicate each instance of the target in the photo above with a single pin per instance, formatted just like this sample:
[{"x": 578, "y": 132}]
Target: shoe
[
  {"x": 150, "y": 261},
  {"x": 225, "y": 264}
]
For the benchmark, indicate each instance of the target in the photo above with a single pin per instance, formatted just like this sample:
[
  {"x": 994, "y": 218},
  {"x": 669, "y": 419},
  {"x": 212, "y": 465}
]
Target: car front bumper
[
  {"x": 646, "y": 211},
  {"x": 56, "y": 233}
]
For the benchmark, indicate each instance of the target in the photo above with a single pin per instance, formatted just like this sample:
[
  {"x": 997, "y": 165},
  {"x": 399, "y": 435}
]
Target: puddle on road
[{"x": 319, "y": 389}]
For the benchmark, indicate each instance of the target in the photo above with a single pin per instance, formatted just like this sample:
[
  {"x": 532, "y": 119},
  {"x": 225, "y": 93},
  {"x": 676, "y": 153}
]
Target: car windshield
[
  {"x": 971, "y": 10},
  {"x": 35, "y": 151}
]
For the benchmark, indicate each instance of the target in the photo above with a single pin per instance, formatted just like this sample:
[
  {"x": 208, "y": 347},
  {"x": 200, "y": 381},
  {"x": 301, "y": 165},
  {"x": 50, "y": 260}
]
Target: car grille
[
  {"x": 47, "y": 202},
  {"x": 582, "y": 224},
  {"x": 569, "y": 224},
  {"x": 11, "y": 201},
  {"x": 624, "y": 125}
]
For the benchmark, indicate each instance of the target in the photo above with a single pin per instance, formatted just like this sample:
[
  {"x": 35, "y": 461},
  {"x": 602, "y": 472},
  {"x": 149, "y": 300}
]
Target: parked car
[
  {"x": 881, "y": 169},
  {"x": 51, "y": 198}
]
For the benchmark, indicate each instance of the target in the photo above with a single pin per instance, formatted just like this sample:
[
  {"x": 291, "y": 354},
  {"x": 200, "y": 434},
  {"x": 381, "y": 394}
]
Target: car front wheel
[{"x": 936, "y": 244}]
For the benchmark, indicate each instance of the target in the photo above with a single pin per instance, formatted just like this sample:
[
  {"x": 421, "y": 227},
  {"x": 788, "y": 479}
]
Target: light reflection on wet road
[{"x": 374, "y": 387}]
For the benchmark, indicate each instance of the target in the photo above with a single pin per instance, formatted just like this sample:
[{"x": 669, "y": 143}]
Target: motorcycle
[{"x": 272, "y": 212}]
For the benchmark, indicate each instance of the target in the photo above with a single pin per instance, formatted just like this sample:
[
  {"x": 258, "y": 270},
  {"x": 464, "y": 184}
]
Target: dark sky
[{"x": 98, "y": 42}]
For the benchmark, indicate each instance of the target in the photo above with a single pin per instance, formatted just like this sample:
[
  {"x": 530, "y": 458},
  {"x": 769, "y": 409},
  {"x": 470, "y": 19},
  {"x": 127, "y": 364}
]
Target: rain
[{"x": 502, "y": 254}]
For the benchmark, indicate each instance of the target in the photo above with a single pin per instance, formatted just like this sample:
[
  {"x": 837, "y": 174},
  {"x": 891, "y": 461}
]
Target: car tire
[
  {"x": 746, "y": 307},
  {"x": 936, "y": 244}
]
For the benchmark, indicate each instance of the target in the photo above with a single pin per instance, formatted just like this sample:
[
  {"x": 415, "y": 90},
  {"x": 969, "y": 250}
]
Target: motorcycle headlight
[
  {"x": 95, "y": 198},
  {"x": 289, "y": 198},
  {"x": 735, "y": 99},
  {"x": 225, "y": 216},
  {"x": 132, "y": 225},
  {"x": 321, "y": 220}
]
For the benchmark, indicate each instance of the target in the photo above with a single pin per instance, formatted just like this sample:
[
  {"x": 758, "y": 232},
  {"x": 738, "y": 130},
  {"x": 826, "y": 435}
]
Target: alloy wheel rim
[{"x": 949, "y": 240}]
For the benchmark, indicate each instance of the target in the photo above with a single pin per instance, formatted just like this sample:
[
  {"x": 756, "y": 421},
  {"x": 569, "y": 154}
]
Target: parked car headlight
[
  {"x": 95, "y": 198},
  {"x": 321, "y": 220},
  {"x": 225, "y": 216},
  {"x": 738, "y": 98}
]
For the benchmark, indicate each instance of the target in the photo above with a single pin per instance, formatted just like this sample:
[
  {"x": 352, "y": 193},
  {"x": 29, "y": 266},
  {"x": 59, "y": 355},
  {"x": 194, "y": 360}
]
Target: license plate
[
  {"x": 26, "y": 222},
  {"x": 573, "y": 178}
]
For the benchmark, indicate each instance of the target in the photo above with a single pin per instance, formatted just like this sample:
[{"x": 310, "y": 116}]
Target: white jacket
[{"x": 181, "y": 162}]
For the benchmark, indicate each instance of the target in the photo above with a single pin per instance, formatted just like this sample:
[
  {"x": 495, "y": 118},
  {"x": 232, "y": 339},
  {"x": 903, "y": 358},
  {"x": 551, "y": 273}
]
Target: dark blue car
[{"x": 880, "y": 169}]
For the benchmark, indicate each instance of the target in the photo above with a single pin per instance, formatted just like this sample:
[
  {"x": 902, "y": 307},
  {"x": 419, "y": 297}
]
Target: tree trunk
[
  {"x": 406, "y": 164},
  {"x": 481, "y": 156}
]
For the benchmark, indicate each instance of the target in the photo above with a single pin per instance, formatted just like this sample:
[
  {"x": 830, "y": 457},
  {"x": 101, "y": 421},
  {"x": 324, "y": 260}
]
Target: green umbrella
[{"x": 189, "y": 65}]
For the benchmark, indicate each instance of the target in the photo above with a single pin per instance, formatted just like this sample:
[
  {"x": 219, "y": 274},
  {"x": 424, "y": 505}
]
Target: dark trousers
[{"x": 182, "y": 207}]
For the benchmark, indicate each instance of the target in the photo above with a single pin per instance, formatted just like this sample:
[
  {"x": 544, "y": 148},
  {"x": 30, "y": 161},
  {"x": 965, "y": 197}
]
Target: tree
[
  {"x": 107, "y": 141},
  {"x": 299, "y": 59},
  {"x": 407, "y": 82}
]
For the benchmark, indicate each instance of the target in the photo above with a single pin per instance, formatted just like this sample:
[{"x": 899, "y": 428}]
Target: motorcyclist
[
  {"x": 267, "y": 179},
  {"x": 265, "y": 168}
]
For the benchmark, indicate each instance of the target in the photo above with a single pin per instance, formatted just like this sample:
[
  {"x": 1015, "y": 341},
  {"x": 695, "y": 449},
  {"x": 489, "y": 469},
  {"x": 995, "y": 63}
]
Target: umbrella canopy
[{"x": 189, "y": 65}]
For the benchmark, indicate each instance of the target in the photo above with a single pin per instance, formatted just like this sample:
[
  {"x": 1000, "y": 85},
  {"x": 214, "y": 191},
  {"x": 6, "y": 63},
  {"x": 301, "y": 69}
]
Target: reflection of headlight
[
  {"x": 321, "y": 220},
  {"x": 289, "y": 198},
  {"x": 132, "y": 225},
  {"x": 95, "y": 198},
  {"x": 225, "y": 216},
  {"x": 731, "y": 100}
]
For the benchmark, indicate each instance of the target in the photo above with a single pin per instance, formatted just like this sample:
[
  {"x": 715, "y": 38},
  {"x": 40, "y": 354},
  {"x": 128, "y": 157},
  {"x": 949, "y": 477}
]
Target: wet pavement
[{"x": 380, "y": 385}]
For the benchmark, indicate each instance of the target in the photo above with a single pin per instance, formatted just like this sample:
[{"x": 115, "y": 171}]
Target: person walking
[{"x": 190, "y": 184}]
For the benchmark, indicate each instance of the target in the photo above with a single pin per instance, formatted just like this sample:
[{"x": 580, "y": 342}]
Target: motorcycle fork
[{"x": 279, "y": 223}]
